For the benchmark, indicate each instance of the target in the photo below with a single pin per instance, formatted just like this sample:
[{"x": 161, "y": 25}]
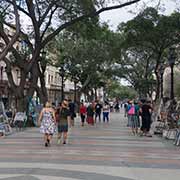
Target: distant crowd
[
  {"x": 61, "y": 117},
  {"x": 139, "y": 115}
]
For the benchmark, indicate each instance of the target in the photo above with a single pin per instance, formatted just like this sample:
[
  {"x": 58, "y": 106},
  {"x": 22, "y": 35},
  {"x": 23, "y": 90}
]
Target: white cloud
[{"x": 115, "y": 17}]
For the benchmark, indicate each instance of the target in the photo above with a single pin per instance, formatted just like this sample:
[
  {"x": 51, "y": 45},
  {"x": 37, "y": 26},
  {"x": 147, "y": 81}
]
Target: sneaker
[
  {"x": 64, "y": 142},
  {"x": 59, "y": 141},
  {"x": 46, "y": 144},
  {"x": 148, "y": 135}
]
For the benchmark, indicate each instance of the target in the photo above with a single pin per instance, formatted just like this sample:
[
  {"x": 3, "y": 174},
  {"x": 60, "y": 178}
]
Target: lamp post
[
  {"x": 171, "y": 60},
  {"x": 62, "y": 74},
  {"x": 77, "y": 71},
  {"x": 161, "y": 70},
  {"x": 75, "y": 89}
]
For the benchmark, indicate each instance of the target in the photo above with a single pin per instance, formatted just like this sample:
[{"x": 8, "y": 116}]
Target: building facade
[{"x": 54, "y": 86}]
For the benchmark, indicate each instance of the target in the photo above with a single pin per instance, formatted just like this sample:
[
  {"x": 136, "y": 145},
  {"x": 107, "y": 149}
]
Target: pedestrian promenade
[{"x": 103, "y": 152}]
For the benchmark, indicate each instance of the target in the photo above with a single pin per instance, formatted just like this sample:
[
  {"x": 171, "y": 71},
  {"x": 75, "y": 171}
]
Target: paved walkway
[{"x": 103, "y": 152}]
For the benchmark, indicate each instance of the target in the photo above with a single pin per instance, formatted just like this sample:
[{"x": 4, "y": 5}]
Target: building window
[
  {"x": 1, "y": 73},
  {"x": 17, "y": 73},
  {"x": 55, "y": 81},
  {"x": 49, "y": 79}
]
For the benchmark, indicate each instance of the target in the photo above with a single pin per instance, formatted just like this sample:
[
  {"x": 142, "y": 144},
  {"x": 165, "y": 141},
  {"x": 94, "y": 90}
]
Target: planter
[
  {"x": 5, "y": 129},
  {"x": 169, "y": 134},
  {"x": 165, "y": 133}
]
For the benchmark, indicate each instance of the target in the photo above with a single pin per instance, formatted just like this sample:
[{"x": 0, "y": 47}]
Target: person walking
[
  {"x": 82, "y": 112},
  {"x": 47, "y": 123},
  {"x": 125, "y": 109},
  {"x": 137, "y": 119},
  {"x": 146, "y": 111},
  {"x": 90, "y": 114},
  {"x": 106, "y": 110},
  {"x": 129, "y": 103},
  {"x": 63, "y": 121},
  {"x": 131, "y": 117},
  {"x": 98, "y": 108},
  {"x": 116, "y": 107},
  {"x": 72, "y": 111}
]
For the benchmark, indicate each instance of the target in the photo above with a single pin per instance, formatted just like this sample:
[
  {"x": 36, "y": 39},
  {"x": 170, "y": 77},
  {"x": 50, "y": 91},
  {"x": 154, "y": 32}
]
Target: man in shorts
[{"x": 63, "y": 122}]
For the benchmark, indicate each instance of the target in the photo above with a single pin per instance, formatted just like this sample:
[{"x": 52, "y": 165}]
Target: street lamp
[
  {"x": 161, "y": 70},
  {"x": 171, "y": 60},
  {"x": 62, "y": 74},
  {"x": 77, "y": 71},
  {"x": 75, "y": 88}
]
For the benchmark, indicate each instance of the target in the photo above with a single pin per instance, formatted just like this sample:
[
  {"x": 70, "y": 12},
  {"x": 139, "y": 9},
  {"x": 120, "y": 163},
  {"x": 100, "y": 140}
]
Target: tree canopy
[
  {"x": 41, "y": 21},
  {"x": 147, "y": 38}
]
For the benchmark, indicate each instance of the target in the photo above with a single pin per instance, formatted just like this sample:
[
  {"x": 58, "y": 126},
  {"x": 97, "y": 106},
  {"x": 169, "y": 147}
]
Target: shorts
[
  {"x": 19, "y": 124},
  {"x": 134, "y": 121},
  {"x": 62, "y": 128}
]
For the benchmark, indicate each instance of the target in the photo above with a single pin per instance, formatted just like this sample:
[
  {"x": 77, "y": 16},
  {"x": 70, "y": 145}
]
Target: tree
[
  {"x": 116, "y": 90},
  {"x": 89, "y": 59},
  {"x": 8, "y": 42},
  {"x": 153, "y": 32},
  {"x": 47, "y": 19},
  {"x": 137, "y": 68}
]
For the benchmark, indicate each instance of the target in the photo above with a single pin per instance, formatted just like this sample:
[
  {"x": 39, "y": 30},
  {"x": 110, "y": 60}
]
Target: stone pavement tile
[
  {"x": 21, "y": 178},
  {"x": 105, "y": 151}
]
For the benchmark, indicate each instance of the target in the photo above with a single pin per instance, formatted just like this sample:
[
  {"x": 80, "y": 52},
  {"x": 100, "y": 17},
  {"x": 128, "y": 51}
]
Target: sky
[{"x": 115, "y": 17}]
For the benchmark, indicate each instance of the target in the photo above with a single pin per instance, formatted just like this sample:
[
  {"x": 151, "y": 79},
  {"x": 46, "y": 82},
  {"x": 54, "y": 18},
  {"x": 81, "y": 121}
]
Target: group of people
[
  {"x": 92, "y": 112},
  {"x": 139, "y": 116},
  {"x": 60, "y": 118}
]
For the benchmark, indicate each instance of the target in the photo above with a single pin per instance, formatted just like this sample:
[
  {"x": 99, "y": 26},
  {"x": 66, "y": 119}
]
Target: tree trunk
[
  {"x": 43, "y": 90},
  {"x": 20, "y": 99},
  {"x": 95, "y": 94},
  {"x": 21, "y": 104},
  {"x": 92, "y": 95},
  {"x": 157, "y": 76},
  {"x": 157, "y": 85}
]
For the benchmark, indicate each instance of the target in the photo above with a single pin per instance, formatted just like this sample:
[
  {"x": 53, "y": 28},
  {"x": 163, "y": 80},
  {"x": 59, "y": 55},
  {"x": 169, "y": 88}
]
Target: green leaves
[
  {"x": 91, "y": 50},
  {"x": 114, "y": 89},
  {"x": 146, "y": 39}
]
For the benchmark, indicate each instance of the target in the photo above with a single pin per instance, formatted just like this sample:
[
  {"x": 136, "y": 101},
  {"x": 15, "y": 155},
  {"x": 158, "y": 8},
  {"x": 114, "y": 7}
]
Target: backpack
[
  {"x": 131, "y": 110},
  {"x": 57, "y": 114}
]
